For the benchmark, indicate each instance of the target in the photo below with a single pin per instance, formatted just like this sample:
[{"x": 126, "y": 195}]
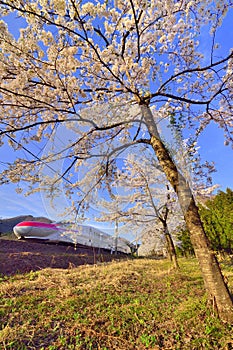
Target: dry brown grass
[{"x": 134, "y": 305}]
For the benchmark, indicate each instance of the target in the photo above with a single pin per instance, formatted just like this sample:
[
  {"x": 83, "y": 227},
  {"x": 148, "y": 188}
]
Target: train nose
[{"x": 20, "y": 231}]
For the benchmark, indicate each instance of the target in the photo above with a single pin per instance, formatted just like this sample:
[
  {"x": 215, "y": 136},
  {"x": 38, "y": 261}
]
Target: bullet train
[{"x": 85, "y": 235}]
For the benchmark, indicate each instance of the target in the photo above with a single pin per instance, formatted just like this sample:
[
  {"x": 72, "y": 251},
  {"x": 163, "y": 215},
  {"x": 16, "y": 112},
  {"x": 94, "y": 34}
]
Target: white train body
[{"x": 85, "y": 235}]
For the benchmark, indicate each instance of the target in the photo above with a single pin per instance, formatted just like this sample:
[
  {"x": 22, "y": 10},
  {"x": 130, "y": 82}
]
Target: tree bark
[
  {"x": 171, "y": 248},
  {"x": 215, "y": 285}
]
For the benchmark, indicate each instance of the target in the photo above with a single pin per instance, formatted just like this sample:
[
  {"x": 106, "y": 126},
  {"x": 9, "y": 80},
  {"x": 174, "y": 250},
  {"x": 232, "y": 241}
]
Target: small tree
[{"x": 147, "y": 201}]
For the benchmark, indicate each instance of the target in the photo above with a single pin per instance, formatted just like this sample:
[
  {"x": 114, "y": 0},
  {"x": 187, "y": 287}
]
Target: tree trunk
[
  {"x": 213, "y": 279},
  {"x": 171, "y": 248}
]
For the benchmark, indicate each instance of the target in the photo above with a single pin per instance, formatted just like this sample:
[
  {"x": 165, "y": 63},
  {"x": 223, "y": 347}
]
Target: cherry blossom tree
[
  {"x": 111, "y": 71},
  {"x": 140, "y": 197}
]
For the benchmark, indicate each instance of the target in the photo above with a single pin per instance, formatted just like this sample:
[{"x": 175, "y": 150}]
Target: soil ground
[{"x": 30, "y": 255}]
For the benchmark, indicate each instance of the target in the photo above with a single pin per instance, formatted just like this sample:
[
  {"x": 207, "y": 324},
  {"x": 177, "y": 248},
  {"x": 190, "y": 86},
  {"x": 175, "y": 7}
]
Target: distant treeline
[{"x": 217, "y": 217}]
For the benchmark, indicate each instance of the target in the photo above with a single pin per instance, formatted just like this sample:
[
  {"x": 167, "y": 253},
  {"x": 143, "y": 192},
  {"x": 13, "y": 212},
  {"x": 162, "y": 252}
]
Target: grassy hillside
[{"x": 127, "y": 305}]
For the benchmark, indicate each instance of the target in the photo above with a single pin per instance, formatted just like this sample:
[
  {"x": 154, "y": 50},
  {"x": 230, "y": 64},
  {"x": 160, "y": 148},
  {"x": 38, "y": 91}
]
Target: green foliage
[
  {"x": 133, "y": 305},
  {"x": 186, "y": 248},
  {"x": 217, "y": 218}
]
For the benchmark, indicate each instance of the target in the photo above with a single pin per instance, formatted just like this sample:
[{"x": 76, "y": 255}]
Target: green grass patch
[{"x": 137, "y": 304}]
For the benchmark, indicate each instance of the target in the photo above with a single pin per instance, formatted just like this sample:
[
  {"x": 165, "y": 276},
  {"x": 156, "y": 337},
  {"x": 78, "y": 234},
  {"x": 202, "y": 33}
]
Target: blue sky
[
  {"x": 212, "y": 148},
  {"x": 211, "y": 144}
]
